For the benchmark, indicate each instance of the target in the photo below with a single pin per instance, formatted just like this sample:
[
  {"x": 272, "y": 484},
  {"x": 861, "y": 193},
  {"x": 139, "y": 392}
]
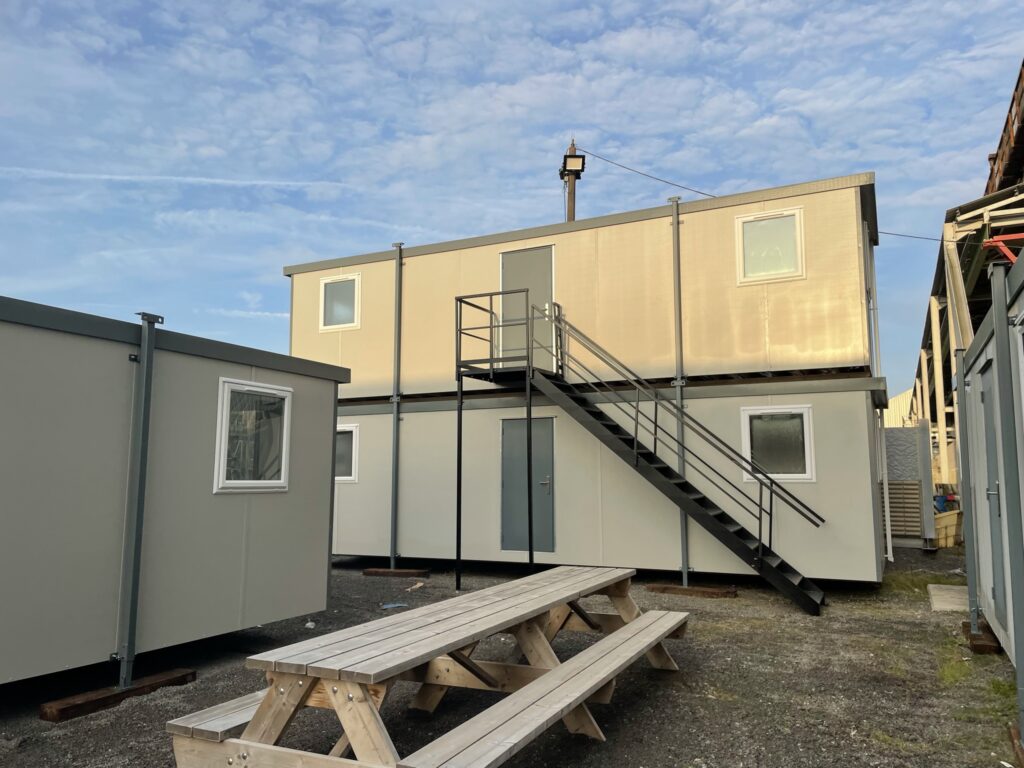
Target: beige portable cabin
[
  {"x": 756, "y": 307},
  {"x": 155, "y": 488}
]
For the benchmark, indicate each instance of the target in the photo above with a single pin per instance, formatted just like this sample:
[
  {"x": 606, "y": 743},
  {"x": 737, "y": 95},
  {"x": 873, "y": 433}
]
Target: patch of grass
[
  {"x": 955, "y": 663},
  {"x": 1004, "y": 689},
  {"x": 896, "y": 743},
  {"x": 915, "y": 583}
]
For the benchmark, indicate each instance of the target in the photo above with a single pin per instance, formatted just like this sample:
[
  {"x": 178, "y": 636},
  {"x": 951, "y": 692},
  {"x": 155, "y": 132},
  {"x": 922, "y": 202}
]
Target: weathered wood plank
[
  {"x": 623, "y": 602},
  {"x": 287, "y": 693},
  {"x": 385, "y": 660},
  {"x": 494, "y": 735},
  {"x": 93, "y": 701},
  {"x": 357, "y": 706},
  {"x": 223, "y": 714},
  {"x": 609, "y": 622},
  {"x": 532, "y": 640},
  {"x": 196, "y": 753},
  {"x": 296, "y": 657}
]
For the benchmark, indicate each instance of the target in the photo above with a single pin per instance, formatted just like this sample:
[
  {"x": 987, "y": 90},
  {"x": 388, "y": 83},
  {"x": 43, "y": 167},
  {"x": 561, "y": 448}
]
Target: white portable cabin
[
  {"x": 115, "y": 541},
  {"x": 753, "y": 313}
]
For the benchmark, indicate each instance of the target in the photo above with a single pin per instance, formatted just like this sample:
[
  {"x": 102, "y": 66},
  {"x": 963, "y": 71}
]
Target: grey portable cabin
[{"x": 230, "y": 493}]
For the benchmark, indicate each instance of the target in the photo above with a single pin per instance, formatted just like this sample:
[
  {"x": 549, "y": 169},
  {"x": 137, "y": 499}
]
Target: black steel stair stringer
[{"x": 698, "y": 507}]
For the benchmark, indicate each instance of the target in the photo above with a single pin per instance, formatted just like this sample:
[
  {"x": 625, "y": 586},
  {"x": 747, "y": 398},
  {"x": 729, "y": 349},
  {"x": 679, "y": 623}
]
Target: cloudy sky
[{"x": 172, "y": 156}]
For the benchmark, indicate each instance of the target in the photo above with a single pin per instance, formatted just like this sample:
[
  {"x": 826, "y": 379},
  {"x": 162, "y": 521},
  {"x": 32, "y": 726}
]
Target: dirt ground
[{"x": 877, "y": 680}]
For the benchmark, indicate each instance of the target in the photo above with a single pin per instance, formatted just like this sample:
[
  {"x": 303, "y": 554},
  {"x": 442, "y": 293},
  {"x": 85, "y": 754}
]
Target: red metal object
[{"x": 999, "y": 243}]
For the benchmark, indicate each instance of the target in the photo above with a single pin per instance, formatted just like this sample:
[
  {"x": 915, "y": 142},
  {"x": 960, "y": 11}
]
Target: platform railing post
[
  {"x": 529, "y": 425},
  {"x": 458, "y": 482}
]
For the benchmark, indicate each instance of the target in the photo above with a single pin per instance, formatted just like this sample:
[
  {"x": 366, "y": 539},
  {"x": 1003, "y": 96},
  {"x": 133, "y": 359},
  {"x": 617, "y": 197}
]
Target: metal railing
[
  {"x": 653, "y": 418},
  {"x": 491, "y": 331}
]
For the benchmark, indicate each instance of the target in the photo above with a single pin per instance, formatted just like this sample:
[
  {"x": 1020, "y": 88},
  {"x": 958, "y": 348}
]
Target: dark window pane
[
  {"x": 340, "y": 302},
  {"x": 343, "y": 456},
  {"x": 777, "y": 443},
  {"x": 255, "y": 444}
]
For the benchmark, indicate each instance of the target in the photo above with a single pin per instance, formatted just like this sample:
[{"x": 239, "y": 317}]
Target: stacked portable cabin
[
  {"x": 778, "y": 331},
  {"x": 114, "y": 542}
]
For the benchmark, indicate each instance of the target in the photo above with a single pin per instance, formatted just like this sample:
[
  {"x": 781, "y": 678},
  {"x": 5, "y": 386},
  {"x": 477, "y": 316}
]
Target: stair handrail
[{"x": 556, "y": 316}]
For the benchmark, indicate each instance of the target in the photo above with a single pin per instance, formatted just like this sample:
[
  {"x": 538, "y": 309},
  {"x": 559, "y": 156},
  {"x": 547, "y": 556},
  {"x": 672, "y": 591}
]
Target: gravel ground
[{"x": 877, "y": 680}]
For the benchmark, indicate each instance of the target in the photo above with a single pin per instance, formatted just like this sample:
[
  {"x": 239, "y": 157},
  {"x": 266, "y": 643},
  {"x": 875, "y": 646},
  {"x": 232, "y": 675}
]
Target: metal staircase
[{"x": 672, "y": 450}]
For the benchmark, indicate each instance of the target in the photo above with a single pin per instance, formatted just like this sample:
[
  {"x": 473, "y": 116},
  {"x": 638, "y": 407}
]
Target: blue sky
[{"x": 173, "y": 156}]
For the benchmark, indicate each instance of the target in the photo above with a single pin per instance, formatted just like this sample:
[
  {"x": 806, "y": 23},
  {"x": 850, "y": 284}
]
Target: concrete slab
[{"x": 948, "y": 597}]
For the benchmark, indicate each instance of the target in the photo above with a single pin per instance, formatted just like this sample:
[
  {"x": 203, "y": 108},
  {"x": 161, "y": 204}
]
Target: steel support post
[
  {"x": 128, "y": 612},
  {"x": 940, "y": 388},
  {"x": 458, "y": 482},
  {"x": 396, "y": 399},
  {"x": 1010, "y": 487},
  {"x": 966, "y": 500},
  {"x": 529, "y": 425},
  {"x": 926, "y": 386},
  {"x": 678, "y": 382}
]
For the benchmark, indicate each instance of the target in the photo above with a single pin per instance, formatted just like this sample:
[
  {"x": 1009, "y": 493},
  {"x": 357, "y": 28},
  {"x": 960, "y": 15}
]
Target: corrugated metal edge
[
  {"x": 19, "y": 312},
  {"x": 864, "y": 180}
]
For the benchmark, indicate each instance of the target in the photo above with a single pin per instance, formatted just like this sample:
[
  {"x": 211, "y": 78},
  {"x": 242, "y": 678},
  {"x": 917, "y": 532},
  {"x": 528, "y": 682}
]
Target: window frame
[
  {"x": 807, "y": 412},
  {"x": 356, "y": 278},
  {"x": 220, "y": 483},
  {"x": 354, "y": 429},
  {"x": 798, "y": 219}
]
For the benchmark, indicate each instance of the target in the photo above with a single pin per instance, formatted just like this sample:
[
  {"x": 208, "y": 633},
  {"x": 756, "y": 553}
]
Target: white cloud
[
  {"x": 248, "y": 314},
  {"x": 212, "y": 143}
]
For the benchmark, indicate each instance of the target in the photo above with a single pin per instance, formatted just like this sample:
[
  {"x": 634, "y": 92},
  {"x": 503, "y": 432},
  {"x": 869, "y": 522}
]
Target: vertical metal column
[
  {"x": 529, "y": 424},
  {"x": 458, "y": 478},
  {"x": 966, "y": 500},
  {"x": 876, "y": 365},
  {"x": 678, "y": 382},
  {"x": 396, "y": 398},
  {"x": 128, "y": 607},
  {"x": 938, "y": 378},
  {"x": 1010, "y": 487}
]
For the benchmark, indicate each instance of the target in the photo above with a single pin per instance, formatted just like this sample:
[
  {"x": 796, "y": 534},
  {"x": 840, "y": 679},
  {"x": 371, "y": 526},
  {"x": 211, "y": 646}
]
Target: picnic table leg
[
  {"x": 556, "y": 619},
  {"x": 534, "y": 643},
  {"x": 285, "y": 696},
  {"x": 355, "y": 705},
  {"x": 343, "y": 746},
  {"x": 624, "y": 603},
  {"x": 429, "y": 695}
]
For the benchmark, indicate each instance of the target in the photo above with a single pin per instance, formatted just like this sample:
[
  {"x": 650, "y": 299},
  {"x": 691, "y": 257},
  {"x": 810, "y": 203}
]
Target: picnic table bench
[{"x": 351, "y": 671}]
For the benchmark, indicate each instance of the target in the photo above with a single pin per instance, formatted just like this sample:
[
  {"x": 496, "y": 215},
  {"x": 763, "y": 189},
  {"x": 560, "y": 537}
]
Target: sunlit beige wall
[
  {"x": 368, "y": 350},
  {"x": 615, "y": 284},
  {"x": 606, "y": 513},
  {"x": 818, "y": 321}
]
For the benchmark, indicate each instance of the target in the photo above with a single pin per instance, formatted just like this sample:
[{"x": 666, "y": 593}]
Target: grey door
[
  {"x": 514, "y": 533},
  {"x": 531, "y": 269},
  {"x": 995, "y": 515}
]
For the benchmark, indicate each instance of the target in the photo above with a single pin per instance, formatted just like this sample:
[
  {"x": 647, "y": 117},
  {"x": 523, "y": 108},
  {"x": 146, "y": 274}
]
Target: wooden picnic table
[{"x": 351, "y": 671}]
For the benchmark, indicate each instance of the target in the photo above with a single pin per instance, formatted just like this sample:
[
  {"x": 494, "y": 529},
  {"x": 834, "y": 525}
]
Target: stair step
[
  {"x": 793, "y": 576},
  {"x": 815, "y": 594},
  {"x": 727, "y": 529}
]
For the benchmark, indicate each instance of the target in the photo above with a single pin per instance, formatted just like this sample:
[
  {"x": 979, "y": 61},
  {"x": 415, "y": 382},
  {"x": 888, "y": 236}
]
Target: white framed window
[
  {"x": 253, "y": 437},
  {"x": 770, "y": 246},
  {"x": 339, "y": 302},
  {"x": 780, "y": 440},
  {"x": 346, "y": 453}
]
